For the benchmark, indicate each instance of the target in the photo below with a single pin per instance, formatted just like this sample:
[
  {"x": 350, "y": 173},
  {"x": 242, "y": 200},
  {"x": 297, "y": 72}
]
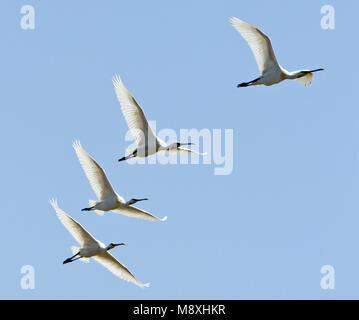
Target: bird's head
[
  {"x": 179, "y": 144},
  {"x": 133, "y": 201},
  {"x": 302, "y": 73},
  {"x": 113, "y": 245}
]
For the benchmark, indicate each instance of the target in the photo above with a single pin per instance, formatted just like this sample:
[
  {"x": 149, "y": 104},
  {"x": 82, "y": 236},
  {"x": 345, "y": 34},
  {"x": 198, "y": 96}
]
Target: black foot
[
  {"x": 67, "y": 261},
  {"x": 243, "y": 84},
  {"x": 123, "y": 158}
]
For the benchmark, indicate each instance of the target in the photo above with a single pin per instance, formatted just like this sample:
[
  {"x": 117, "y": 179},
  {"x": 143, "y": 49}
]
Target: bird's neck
[{"x": 120, "y": 200}]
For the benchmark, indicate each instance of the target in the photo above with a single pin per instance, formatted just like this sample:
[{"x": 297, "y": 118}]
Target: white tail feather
[
  {"x": 75, "y": 250},
  {"x": 130, "y": 150},
  {"x": 93, "y": 203}
]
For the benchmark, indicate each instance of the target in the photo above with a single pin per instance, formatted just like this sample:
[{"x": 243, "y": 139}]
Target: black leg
[
  {"x": 128, "y": 157},
  {"x": 247, "y": 84},
  {"x": 87, "y": 209},
  {"x": 68, "y": 260}
]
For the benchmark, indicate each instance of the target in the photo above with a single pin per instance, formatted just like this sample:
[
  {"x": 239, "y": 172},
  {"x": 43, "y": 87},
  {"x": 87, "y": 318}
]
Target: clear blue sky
[{"x": 289, "y": 207}]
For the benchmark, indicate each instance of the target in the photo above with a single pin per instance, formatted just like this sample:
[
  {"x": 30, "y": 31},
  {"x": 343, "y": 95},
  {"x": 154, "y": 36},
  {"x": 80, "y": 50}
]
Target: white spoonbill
[
  {"x": 147, "y": 142},
  {"x": 92, "y": 248},
  {"x": 268, "y": 65},
  {"x": 108, "y": 199}
]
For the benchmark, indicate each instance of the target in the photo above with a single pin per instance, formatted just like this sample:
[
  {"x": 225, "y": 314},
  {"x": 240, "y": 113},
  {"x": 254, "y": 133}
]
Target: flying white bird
[
  {"x": 147, "y": 142},
  {"x": 92, "y": 248},
  {"x": 268, "y": 65},
  {"x": 108, "y": 199}
]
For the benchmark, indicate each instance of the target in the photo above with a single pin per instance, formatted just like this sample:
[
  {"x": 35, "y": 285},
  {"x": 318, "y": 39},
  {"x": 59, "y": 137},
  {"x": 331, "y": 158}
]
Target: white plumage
[
  {"x": 108, "y": 199},
  {"x": 147, "y": 142},
  {"x": 92, "y": 248},
  {"x": 271, "y": 71}
]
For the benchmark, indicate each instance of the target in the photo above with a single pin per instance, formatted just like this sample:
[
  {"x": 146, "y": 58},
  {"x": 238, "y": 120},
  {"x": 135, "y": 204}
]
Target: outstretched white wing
[
  {"x": 134, "y": 212},
  {"x": 181, "y": 150},
  {"x": 305, "y": 80},
  {"x": 75, "y": 229},
  {"x": 259, "y": 43},
  {"x": 110, "y": 263},
  {"x": 94, "y": 173},
  {"x": 134, "y": 116}
]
